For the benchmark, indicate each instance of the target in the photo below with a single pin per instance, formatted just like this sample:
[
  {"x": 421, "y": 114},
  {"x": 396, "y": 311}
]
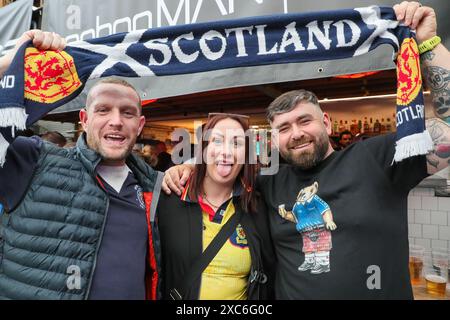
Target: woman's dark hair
[{"x": 247, "y": 175}]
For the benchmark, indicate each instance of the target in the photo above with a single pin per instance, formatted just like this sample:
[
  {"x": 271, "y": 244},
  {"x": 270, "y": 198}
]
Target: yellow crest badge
[
  {"x": 408, "y": 72},
  {"x": 49, "y": 75},
  {"x": 239, "y": 238}
]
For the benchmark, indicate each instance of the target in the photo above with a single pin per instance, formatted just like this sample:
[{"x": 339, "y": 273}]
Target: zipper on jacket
[{"x": 88, "y": 291}]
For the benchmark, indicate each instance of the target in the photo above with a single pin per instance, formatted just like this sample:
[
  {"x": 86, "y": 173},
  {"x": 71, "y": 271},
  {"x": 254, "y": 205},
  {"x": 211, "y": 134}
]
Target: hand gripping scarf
[{"x": 40, "y": 81}]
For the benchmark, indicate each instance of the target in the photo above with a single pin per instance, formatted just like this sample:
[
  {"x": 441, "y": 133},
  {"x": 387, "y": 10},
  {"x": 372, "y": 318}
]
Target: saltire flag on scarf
[{"x": 40, "y": 81}]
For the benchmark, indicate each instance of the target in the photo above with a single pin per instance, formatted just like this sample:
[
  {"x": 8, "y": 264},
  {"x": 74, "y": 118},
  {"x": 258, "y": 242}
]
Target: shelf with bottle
[{"x": 364, "y": 125}]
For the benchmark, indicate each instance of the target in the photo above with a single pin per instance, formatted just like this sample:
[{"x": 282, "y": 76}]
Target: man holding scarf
[
  {"x": 77, "y": 222},
  {"x": 339, "y": 219}
]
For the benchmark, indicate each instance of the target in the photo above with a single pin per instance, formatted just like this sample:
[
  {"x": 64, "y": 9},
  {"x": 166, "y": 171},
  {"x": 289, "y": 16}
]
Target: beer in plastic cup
[{"x": 416, "y": 254}]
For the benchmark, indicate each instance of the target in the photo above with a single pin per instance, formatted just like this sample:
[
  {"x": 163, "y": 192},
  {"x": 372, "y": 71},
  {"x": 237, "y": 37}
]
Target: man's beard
[
  {"x": 307, "y": 159},
  {"x": 95, "y": 145}
]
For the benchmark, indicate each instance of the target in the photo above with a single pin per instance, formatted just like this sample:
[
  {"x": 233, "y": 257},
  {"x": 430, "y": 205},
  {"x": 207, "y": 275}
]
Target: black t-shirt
[{"x": 366, "y": 257}]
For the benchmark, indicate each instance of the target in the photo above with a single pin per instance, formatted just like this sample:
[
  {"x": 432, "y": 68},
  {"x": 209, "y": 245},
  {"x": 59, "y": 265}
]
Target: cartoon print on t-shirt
[{"x": 314, "y": 220}]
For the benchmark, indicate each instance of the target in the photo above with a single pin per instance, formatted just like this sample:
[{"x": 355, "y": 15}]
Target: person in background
[
  {"x": 345, "y": 139},
  {"x": 169, "y": 145},
  {"x": 54, "y": 137},
  {"x": 164, "y": 158},
  {"x": 150, "y": 156}
]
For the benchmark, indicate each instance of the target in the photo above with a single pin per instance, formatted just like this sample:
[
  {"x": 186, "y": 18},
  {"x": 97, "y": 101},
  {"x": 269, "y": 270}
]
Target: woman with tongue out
[{"x": 221, "y": 185}]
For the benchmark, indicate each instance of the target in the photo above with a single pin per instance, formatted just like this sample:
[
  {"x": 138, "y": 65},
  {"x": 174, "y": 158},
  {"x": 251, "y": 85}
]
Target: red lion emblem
[
  {"x": 49, "y": 75},
  {"x": 409, "y": 79}
]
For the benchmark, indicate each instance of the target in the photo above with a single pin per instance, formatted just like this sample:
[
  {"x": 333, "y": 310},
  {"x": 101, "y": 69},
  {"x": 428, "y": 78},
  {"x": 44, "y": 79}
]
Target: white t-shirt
[{"x": 115, "y": 176}]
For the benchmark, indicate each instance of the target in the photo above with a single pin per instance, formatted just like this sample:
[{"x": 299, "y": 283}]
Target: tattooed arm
[
  {"x": 436, "y": 68},
  {"x": 435, "y": 63},
  {"x": 439, "y": 158}
]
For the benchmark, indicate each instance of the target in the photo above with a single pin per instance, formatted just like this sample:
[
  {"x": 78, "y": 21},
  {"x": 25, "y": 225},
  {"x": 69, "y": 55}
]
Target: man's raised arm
[{"x": 435, "y": 59}]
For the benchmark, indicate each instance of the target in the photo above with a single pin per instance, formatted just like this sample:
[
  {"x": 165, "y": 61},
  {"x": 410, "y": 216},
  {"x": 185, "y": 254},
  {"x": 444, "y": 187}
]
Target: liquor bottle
[
  {"x": 377, "y": 127},
  {"x": 371, "y": 126},
  {"x": 341, "y": 126},
  {"x": 354, "y": 127},
  {"x": 366, "y": 125},
  {"x": 335, "y": 127},
  {"x": 346, "y": 125},
  {"x": 360, "y": 128},
  {"x": 383, "y": 126},
  {"x": 388, "y": 125}
]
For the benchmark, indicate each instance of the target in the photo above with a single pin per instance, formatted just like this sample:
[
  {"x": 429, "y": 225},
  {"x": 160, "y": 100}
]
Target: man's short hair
[
  {"x": 55, "y": 137},
  {"x": 288, "y": 101},
  {"x": 113, "y": 80},
  {"x": 161, "y": 146},
  {"x": 344, "y": 133}
]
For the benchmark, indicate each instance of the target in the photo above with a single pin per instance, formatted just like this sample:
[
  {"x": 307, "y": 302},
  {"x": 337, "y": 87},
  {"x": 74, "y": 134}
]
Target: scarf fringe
[
  {"x": 413, "y": 145},
  {"x": 14, "y": 117},
  {"x": 3, "y": 148}
]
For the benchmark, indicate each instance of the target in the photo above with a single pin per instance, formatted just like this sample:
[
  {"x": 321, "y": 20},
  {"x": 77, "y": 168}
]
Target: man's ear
[
  {"x": 275, "y": 138},
  {"x": 327, "y": 123},
  {"x": 141, "y": 125},
  {"x": 84, "y": 118}
]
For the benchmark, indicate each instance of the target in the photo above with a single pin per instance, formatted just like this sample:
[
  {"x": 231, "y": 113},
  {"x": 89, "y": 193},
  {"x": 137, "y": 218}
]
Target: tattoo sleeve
[
  {"x": 427, "y": 56},
  {"x": 439, "y": 158},
  {"x": 436, "y": 67},
  {"x": 438, "y": 79}
]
